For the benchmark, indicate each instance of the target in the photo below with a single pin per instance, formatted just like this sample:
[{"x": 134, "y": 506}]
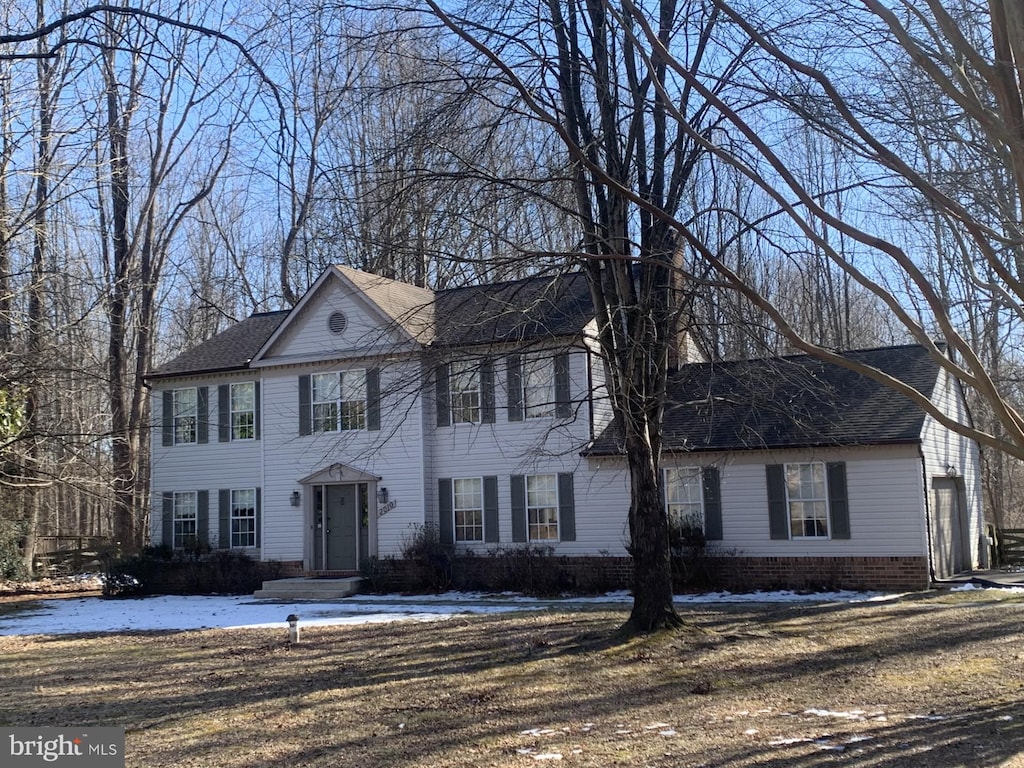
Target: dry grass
[{"x": 933, "y": 680}]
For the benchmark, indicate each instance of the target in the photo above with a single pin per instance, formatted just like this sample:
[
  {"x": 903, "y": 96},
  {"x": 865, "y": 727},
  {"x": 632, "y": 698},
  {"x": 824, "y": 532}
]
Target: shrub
[
  {"x": 12, "y": 563},
  {"x": 379, "y": 574},
  {"x": 532, "y": 570},
  {"x": 163, "y": 570},
  {"x": 689, "y": 548},
  {"x": 431, "y": 557}
]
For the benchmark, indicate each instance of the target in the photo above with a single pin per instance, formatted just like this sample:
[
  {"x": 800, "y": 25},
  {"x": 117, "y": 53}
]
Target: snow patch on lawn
[{"x": 168, "y": 613}]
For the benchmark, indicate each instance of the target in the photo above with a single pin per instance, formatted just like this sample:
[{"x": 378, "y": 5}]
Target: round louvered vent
[{"x": 337, "y": 322}]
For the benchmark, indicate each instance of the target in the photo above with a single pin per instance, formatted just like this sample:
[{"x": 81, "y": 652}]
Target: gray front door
[{"x": 341, "y": 534}]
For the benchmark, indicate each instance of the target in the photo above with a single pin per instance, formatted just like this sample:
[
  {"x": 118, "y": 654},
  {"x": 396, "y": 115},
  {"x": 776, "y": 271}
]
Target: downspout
[{"x": 927, "y": 514}]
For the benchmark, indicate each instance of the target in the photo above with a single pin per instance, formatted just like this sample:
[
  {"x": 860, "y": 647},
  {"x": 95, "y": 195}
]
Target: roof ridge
[
  {"x": 810, "y": 356},
  {"x": 505, "y": 283}
]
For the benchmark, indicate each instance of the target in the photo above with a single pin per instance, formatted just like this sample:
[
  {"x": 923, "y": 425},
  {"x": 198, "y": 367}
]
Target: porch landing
[{"x": 308, "y": 588}]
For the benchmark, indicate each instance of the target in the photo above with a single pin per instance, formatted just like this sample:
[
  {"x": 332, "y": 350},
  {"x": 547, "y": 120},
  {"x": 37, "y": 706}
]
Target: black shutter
[
  {"x": 442, "y": 400},
  {"x": 517, "y": 487},
  {"x": 838, "y": 506},
  {"x": 223, "y": 413},
  {"x": 514, "y": 370},
  {"x": 445, "y": 514},
  {"x": 491, "y": 534},
  {"x": 167, "y": 417},
  {"x": 712, "y": 504},
  {"x": 224, "y": 518},
  {"x": 259, "y": 517},
  {"x": 305, "y": 405},
  {"x": 257, "y": 405},
  {"x": 778, "y": 510},
  {"x": 203, "y": 518},
  {"x": 373, "y": 399},
  {"x": 566, "y": 508},
  {"x": 487, "y": 391},
  {"x": 563, "y": 405},
  {"x": 202, "y": 414},
  {"x": 167, "y": 519}
]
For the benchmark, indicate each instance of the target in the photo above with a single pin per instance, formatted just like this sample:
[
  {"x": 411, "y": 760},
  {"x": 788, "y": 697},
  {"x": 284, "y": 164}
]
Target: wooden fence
[
  {"x": 1010, "y": 546},
  {"x": 70, "y": 554}
]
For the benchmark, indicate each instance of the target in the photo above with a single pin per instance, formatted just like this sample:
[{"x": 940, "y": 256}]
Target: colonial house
[{"x": 326, "y": 434}]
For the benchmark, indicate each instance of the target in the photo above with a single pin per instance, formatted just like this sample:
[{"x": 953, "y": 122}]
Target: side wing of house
[{"x": 798, "y": 518}]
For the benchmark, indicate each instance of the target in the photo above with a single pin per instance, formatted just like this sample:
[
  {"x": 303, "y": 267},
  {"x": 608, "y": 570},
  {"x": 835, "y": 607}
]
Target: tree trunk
[
  {"x": 122, "y": 466},
  {"x": 653, "y": 608}
]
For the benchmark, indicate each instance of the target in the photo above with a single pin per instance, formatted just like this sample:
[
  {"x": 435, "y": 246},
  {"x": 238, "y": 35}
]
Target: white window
[
  {"x": 684, "y": 496},
  {"x": 807, "y": 500},
  {"x": 243, "y": 411},
  {"x": 353, "y": 400},
  {"x": 542, "y": 507},
  {"x": 538, "y": 386},
  {"x": 186, "y": 520},
  {"x": 339, "y": 401},
  {"x": 464, "y": 385},
  {"x": 468, "y": 506},
  {"x": 243, "y": 517},
  {"x": 186, "y": 415}
]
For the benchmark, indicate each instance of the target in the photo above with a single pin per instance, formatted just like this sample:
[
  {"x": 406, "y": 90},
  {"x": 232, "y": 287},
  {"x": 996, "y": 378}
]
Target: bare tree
[{"x": 632, "y": 167}]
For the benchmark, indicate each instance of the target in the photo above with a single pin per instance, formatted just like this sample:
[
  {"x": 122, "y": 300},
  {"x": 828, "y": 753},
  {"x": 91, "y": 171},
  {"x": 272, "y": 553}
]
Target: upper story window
[
  {"x": 538, "y": 375},
  {"x": 339, "y": 401},
  {"x": 243, "y": 411},
  {"x": 807, "y": 500},
  {"x": 185, "y": 418},
  {"x": 539, "y": 385},
  {"x": 464, "y": 386}
]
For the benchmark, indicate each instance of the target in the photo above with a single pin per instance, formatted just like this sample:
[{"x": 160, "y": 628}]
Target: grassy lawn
[{"x": 932, "y": 680}]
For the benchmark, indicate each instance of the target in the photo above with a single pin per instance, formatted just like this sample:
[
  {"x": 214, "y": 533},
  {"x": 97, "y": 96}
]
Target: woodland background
[{"x": 168, "y": 169}]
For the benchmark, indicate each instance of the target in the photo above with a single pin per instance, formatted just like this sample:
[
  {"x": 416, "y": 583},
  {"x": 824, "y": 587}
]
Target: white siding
[
  {"x": 308, "y": 333},
  {"x": 885, "y": 494},
  {"x": 393, "y": 453},
  {"x": 600, "y": 401},
  {"x": 542, "y": 445},
  {"x": 194, "y": 466},
  {"x": 947, "y": 452}
]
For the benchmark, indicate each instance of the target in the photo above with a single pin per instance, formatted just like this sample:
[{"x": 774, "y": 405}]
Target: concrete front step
[{"x": 304, "y": 588}]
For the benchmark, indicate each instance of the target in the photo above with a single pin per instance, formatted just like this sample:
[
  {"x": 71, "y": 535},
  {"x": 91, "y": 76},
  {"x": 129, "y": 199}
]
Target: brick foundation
[
  {"x": 873, "y": 573},
  {"x": 547, "y": 574}
]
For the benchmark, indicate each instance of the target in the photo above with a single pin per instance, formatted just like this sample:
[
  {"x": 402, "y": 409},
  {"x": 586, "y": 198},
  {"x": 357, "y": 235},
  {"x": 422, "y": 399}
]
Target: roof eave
[
  {"x": 198, "y": 372},
  {"x": 600, "y": 453}
]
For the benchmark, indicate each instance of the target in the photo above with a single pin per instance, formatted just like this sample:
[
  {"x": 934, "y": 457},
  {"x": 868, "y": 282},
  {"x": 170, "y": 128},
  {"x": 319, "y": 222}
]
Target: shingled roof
[
  {"x": 791, "y": 402},
  {"x": 230, "y": 349},
  {"x": 515, "y": 311},
  {"x": 520, "y": 310}
]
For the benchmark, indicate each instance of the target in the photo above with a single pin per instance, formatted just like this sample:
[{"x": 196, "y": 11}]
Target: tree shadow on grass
[
  {"x": 473, "y": 683},
  {"x": 977, "y": 736}
]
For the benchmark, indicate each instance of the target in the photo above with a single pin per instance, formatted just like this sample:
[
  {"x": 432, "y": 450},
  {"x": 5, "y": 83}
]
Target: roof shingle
[
  {"x": 791, "y": 402},
  {"x": 230, "y": 349},
  {"x": 520, "y": 310}
]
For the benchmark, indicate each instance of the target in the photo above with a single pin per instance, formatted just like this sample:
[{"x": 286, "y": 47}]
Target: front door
[{"x": 337, "y": 528}]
